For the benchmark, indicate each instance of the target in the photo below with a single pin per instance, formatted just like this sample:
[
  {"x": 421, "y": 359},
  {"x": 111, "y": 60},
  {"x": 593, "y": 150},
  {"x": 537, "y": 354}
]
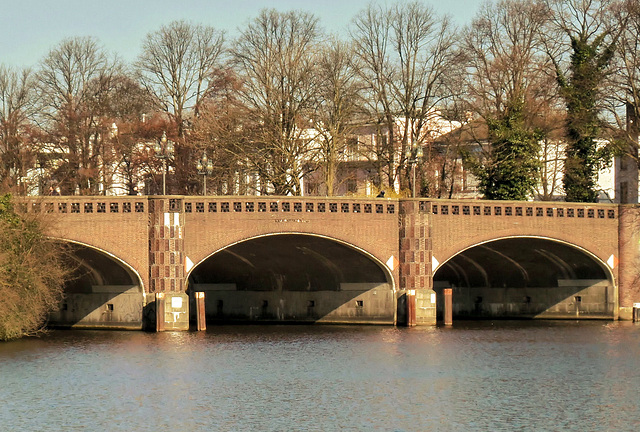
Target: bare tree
[
  {"x": 506, "y": 58},
  {"x": 406, "y": 53},
  {"x": 222, "y": 130},
  {"x": 624, "y": 85},
  {"x": 509, "y": 88},
  {"x": 551, "y": 123},
  {"x": 444, "y": 178},
  {"x": 134, "y": 127},
  {"x": 74, "y": 78},
  {"x": 338, "y": 108},
  {"x": 275, "y": 56},
  {"x": 176, "y": 64},
  {"x": 17, "y": 96}
]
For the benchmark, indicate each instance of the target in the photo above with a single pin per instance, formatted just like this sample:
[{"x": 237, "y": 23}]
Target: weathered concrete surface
[
  {"x": 574, "y": 300},
  {"x": 426, "y": 310},
  {"x": 109, "y": 307},
  {"x": 353, "y": 303}
]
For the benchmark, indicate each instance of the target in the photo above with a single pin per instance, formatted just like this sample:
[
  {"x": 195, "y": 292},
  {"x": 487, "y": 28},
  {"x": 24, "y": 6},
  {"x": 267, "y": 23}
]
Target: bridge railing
[
  {"x": 205, "y": 204},
  {"x": 332, "y": 205},
  {"x": 535, "y": 209},
  {"x": 278, "y": 204},
  {"x": 83, "y": 204}
]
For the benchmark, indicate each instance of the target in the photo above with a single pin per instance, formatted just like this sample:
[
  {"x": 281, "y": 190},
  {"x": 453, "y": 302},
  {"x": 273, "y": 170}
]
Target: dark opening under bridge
[{"x": 339, "y": 260}]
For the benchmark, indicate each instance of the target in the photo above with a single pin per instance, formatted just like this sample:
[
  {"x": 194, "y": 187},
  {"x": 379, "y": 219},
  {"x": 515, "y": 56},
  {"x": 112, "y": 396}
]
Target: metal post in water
[
  {"x": 159, "y": 312},
  {"x": 448, "y": 306},
  {"x": 201, "y": 322},
  {"x": 411, "y": 308}
]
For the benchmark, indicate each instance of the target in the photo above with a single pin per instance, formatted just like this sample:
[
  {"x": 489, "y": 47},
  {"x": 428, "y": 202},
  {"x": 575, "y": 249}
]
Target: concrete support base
[
  {"x": 411, "y": 308},
  {"x": 416, "y": 307},
  {"x": 367, "y": 303},
  {"x": 425, "y": 307},
  {"x": 172, "y": 312},
  {"x": 625, "y": 313}
]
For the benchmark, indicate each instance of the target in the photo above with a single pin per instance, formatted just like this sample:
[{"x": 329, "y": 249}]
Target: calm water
[{"x": 500, "y": 376}]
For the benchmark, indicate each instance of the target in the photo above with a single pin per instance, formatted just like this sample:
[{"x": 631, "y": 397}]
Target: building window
[
  {"x": 311, "y": 187},
  {"x": 352, "y": 148},
  {"x": 352, "y": 186},
  {"x": 381, "y": 140}
]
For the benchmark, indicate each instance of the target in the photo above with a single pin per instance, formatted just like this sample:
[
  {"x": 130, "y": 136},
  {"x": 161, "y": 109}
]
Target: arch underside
[
  {"x": 527, "y": 278},
  {"x": 294, "y": 277},
  {"x": 101, "y": 292}
]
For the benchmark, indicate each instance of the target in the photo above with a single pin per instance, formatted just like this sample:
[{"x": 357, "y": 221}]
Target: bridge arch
[
  {"x": 294, "y": 276},
  {"x": 103, "y": 290},
  {"x": 528, "y": 277}
]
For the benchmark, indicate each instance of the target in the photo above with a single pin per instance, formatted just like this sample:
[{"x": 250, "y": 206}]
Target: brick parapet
[
  {"x": 117, "y": 226},
  {"x": 457, "y": 225}
]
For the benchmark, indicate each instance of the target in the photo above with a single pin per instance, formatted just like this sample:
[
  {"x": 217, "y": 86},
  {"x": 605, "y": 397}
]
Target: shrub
[{"x": 32, "y": 273}]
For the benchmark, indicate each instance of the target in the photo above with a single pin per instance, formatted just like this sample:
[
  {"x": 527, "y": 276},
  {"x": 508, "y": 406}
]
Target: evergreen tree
[
  {"x": 593, "y": 43},
  {"x": 508, "y": 90},
  {"x": 589, "y": 62},
  {"x": 511, "y": 170}
]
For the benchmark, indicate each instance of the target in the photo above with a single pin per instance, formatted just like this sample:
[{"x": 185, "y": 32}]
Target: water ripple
[{"x": 487, "y": 376}]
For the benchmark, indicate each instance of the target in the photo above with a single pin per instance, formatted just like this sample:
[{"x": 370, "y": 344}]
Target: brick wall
[
  {"x": 166, "y": 245},
  {"x": 458, "y": 225},
  {"x": 212, "y": 224},
  {"x": 117, "y": 226},
  {"x": 156, "y": 236},
  {"x": 629, "y": 267}
]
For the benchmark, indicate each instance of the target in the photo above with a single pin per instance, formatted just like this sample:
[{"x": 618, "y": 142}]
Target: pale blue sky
[{"x": 29, "y": 28}]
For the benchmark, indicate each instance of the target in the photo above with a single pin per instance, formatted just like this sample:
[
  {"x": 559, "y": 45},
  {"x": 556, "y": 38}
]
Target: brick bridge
[{"x": 339, "y": 260}]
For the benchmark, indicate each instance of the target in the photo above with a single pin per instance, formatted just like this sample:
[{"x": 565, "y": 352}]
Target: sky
[{"x": 30, "y": 28}]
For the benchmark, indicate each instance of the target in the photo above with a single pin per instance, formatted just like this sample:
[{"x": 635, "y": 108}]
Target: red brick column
[
  {"x": 415, "y": 262},
  {"x": 166, "y": 246},
  {"x": 415, "y": 245},
  {"x": 629, "y": 253}
]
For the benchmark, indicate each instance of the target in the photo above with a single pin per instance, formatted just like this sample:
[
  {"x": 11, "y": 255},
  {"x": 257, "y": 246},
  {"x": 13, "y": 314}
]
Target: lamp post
[
  {"x": 205, "y": 168},
  {"x": 164, "y": 151},
  {"x": 414, "y": 156}
]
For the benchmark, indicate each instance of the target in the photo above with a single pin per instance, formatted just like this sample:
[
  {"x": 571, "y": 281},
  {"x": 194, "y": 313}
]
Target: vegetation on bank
[{"x": 32, "y": 273}]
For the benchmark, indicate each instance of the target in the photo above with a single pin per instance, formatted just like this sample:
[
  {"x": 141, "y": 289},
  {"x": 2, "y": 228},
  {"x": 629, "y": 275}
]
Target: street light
[
  {"x": 164, "y": 151},
  {"x": 414, "y": 156},
  {"x": 205, "y": 168}
]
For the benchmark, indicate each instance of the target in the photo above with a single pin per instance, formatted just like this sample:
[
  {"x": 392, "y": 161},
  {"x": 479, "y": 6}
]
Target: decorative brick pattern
[
  {"x": 415, "y": 251},
  {"x": 166, "y": 247}
]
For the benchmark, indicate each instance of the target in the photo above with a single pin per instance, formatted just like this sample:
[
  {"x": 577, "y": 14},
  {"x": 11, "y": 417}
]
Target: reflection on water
[{"x": 474, "y": 376}]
